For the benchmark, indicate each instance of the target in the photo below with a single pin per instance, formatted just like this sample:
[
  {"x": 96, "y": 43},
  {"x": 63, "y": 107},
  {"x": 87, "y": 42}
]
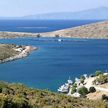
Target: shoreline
[
  {"x": 96, "y": 86},
  {"x": 24, "y": 53},
  {"x": 17, "y": 35}
]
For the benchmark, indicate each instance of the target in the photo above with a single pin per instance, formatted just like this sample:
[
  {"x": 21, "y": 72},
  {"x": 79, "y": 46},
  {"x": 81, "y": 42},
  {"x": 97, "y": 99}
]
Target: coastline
[
  {"x": 24, "y": 53},
  {"x": 97, "y": 30}
]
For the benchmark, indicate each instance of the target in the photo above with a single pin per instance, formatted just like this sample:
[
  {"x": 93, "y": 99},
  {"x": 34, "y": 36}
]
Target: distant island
[
  {"x": 100, "y": 13},
  {"x": 97, "y": 30}
]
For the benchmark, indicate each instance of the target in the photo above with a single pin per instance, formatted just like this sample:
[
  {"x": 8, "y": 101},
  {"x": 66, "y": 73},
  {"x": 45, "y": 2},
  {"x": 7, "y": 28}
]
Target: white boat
[
  {"x": 65, "y": 87},
  {"x": 59, "y": 40}
]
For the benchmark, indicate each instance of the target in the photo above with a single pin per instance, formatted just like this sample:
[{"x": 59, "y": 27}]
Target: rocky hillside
[
  {"x": 7, "y": 51},
  {"x": 20, "y": 96},
  {"x": 95, "y": 30}
]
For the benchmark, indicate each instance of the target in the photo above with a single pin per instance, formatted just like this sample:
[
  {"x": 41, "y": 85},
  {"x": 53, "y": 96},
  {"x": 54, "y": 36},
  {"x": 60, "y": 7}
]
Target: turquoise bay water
[{"x": 53, "y": 62}]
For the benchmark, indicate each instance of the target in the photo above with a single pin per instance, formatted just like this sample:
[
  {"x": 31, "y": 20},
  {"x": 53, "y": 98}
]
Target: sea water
[{"x": 51, "y": 65}]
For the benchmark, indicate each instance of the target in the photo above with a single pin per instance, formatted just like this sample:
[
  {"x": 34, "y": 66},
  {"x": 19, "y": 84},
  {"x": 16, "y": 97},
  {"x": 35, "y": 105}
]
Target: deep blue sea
[
  {"x": 40, "y": 25},
  {"x": 53, "y": 62}
]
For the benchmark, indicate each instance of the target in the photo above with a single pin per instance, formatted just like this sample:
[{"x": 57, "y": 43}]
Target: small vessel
[
  {"x": 59, "y": 40},
  {"x": 65, "y": 87}
]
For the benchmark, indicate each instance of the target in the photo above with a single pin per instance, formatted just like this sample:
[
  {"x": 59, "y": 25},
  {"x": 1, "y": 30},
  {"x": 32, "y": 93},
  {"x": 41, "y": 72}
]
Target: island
[
  {"x": 97, "y": 30},
  {"x": 10, "y": 52}
]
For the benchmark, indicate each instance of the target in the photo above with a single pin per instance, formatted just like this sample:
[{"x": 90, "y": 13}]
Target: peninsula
[
  {"x": 10, "y": 52},
  {"x": 97, "y": 30}
]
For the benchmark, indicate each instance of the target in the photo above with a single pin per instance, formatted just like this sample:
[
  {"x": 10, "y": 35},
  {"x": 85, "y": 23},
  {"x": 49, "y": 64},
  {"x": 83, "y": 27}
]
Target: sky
[{"x": 17, "y": 8}]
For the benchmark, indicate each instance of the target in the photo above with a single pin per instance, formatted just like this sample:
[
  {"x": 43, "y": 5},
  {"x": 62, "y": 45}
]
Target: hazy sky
[{"x": 30, "y": 7}]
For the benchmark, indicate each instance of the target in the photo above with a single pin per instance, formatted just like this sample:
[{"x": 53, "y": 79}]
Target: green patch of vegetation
[
  {"x": 20, "y": 96},
  {"x": 101, "y": 79},
  {"x": 97, "y": 73},
  {"x": 83, "y": 91}
]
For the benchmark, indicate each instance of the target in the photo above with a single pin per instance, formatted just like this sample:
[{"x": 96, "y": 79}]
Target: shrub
[
  {"x": 57, "y": 35},
  {"x": 73, "y": 89},
  {"x": 19, "y": 102},
  {"x": 38, "y": 35},
  {"x": 83, "y": 91},
  {"x": 97, "y": 73},
  {"x": 92, "y": 89},
  {"x": 101, "y": 79},
  {"x": 104, "y": 97}
]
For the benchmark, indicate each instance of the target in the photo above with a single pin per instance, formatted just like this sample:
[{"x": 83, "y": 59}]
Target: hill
[
  {"x": 91, "y": 14},
  {"x": 20, "y": 96},
  {"x": 94, "y": 30}
]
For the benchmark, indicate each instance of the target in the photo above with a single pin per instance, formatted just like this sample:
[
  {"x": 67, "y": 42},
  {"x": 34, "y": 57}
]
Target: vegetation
[
  {"x": 101, "y": 79},
  {"x": 20, "y": 96},
  {"x": 97, "y": 73},
  {"x": 82, "y": 78},
  {"x": 57, "y": 35},
  {"x": 105, "y": 98},
  {"x": 7, "y": 51},
  {"x": 74, "y": 88},
  {"x": 92, "y": 90},
  {"x": 38, "y": 35},
  {"x": 83, "y": 91}
]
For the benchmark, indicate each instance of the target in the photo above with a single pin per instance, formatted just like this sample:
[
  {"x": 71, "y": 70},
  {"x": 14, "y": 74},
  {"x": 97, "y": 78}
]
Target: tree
[
  {"x": 38, "y": 35},
  {"x": 83, "y": 90},
  {"x": 92, "y": 89},
  {"x": 73, "y": 89}
]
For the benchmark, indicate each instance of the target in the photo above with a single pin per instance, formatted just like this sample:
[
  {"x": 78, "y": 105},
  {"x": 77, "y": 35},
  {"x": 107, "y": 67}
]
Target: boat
[
  {"x": 59, "y": 40},
  {"x": 65, "y": 87}
]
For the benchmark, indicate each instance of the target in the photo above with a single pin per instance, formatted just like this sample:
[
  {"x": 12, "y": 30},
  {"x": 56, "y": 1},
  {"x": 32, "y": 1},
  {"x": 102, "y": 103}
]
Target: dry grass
[{"x": 7, "y": 51}]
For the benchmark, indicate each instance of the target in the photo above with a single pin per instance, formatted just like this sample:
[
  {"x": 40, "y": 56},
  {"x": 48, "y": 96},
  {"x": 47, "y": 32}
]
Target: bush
[
  {"x": 73, "y": 89},
  {"x": 83, "y": 91},
  {"x": 101, "y": 79},
  {"x": 92, "y": 89},
  {"x": 97, "y": 73},
  {"x": 104, "y": 97},
  {"x": 19, "y": 102},
  {"x": 38, "y": 35}
]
